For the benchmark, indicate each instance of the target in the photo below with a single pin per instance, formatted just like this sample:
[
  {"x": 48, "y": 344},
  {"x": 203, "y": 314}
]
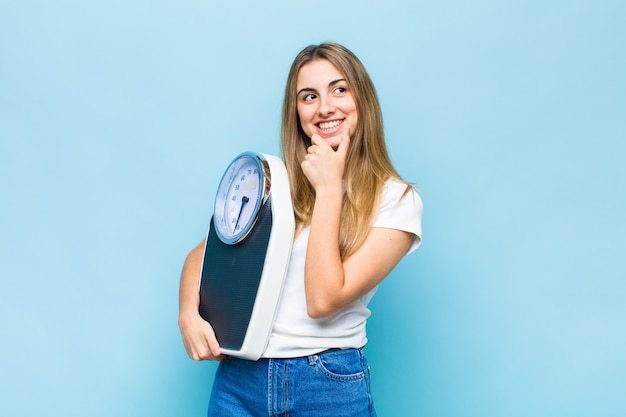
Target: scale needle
[{"x": 244, "y": 200}]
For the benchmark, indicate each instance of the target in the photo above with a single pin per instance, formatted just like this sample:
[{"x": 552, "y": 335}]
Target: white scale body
[{"x": 246, "y": 253}]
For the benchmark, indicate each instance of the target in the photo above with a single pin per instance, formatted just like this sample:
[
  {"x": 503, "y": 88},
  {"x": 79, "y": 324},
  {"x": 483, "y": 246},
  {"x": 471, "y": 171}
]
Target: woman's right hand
[
  {"x": 199, "y": 338},
  {"x": 324, "y": 166}
]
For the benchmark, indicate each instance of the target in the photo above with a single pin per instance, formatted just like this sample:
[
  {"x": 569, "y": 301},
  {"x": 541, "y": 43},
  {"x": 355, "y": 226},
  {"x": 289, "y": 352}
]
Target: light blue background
[{"x": 117, "y": 118}]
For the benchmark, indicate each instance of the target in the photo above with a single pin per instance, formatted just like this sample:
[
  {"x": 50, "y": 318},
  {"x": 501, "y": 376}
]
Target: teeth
[{"x": 329, "y": 125}]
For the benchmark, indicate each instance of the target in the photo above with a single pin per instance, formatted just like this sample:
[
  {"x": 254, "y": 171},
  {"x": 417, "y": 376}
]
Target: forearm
[
  {"x": 198, "y": 336},
  {"x": 189, "y": 296},
  {"x": 324, "y": 278},
  {"x": 323, "y": 274}
]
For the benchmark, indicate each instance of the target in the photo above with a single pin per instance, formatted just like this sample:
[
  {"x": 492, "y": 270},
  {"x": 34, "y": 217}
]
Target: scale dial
[{"x": 241, "y": 193}]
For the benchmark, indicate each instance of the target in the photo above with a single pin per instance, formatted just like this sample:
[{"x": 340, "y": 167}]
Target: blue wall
[{"x": 117, "y": 118}]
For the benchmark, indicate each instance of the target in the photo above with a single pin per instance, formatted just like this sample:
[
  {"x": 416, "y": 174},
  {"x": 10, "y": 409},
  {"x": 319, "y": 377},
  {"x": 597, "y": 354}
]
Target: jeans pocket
[{"x": 341, "y": 365}]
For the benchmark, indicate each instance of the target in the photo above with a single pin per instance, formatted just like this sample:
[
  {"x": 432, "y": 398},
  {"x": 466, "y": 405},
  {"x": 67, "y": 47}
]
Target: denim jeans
[{"x": 333, "y": 383}]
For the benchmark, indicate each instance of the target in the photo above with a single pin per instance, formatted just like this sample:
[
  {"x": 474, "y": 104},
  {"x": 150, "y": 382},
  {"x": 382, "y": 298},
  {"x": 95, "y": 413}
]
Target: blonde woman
[{"x": 355, "y": 220}]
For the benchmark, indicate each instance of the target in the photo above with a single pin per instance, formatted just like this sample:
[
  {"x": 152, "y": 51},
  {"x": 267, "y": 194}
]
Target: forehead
[{"x": 317, "y": 74}]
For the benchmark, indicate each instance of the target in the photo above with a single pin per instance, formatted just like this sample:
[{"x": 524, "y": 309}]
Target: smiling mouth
[{"x": 329, "y": 126}]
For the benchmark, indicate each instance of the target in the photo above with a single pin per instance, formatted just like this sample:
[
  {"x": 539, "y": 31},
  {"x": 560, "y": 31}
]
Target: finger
[
  {"x": 316, "y": 140},
  {"x": 199, "y": 351},
  {"x": 214, "y": 346},
  {"x": 342, "y": 149},
  {"x": 215, "y": 349}
]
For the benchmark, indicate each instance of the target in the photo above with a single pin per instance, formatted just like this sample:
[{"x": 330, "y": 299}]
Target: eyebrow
[{"x": 330, "y": 84}]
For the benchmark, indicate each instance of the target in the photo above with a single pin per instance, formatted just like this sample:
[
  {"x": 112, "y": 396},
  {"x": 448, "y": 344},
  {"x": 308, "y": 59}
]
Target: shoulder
[
  {"x": 401, "y": 208},
  {"x": 396, "y": 192}
]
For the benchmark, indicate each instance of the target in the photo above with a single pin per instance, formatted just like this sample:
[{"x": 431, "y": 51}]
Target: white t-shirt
[{"x": 295, "y": 333}]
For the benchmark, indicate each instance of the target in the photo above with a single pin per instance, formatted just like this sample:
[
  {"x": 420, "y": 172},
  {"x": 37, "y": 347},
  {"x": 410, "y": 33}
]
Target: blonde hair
[{"x": 367, "y": 164}]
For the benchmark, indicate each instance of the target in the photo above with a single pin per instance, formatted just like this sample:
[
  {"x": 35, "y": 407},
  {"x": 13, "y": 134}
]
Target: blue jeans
[{"x": 333, "y": 383}]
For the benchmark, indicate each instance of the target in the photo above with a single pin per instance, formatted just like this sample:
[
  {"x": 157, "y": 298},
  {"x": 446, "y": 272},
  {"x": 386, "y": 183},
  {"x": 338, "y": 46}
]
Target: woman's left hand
[{"x": 324, "y": 166}]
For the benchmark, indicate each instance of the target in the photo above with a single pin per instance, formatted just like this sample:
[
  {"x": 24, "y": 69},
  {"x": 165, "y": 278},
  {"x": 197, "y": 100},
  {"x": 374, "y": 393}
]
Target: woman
[{"x": 355, "y": 219}]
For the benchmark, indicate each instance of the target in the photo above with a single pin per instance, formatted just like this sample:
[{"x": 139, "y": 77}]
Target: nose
[{"x": 326, "y": 107}]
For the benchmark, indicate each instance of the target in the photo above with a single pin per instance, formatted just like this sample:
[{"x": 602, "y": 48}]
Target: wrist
[
  {"x": 188, "y": 309},
  {"x": 330, "y": 190}
]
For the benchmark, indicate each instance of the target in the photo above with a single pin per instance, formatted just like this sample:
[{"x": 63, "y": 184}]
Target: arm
[
  {"x": 331, "y": 284},
  {"x": 198, "y": 336}
]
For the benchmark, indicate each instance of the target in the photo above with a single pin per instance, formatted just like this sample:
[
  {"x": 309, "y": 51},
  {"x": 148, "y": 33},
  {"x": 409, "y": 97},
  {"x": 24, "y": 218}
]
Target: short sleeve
[{"x": 401, "y": 211}]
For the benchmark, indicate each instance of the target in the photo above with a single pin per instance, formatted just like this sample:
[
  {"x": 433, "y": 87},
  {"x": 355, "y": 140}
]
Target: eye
[
  {"x": 308, "y": 97},
  {"x": 340, "y": 90}
]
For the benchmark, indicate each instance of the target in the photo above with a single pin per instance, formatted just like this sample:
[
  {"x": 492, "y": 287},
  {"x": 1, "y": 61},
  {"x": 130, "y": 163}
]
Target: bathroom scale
[{"x": 246, "y": 253}]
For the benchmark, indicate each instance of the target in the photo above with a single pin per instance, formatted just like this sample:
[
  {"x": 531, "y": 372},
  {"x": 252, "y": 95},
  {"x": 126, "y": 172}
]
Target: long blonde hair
[{"x": 367, "y": 164}]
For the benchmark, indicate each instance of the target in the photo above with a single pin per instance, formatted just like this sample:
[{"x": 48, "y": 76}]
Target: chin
[{"x": 333, "y": 141}]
